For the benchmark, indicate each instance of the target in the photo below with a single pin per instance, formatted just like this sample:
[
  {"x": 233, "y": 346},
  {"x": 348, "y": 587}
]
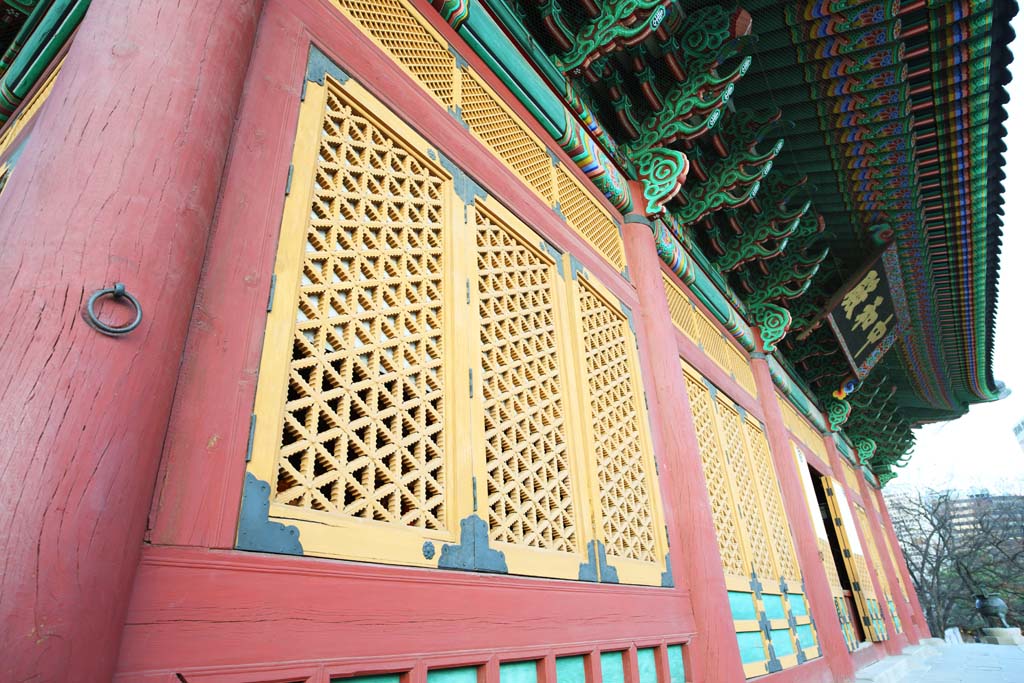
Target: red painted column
[
  {"x": 919, "y": 623},
  {"x": 819, "y": 594},
  {"x": 118, "y": 182},
  {"x": 903, "y": 609},
  {"x": 696, "y": 562},
  {"x": 836, "y": 461}
]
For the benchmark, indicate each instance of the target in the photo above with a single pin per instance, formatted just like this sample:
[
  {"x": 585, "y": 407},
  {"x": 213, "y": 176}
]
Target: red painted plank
[{"x": 200, "y": 610}]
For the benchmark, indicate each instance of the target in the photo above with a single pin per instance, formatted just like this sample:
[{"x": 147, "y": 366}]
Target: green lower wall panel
[
  {"x": 611, "y": 668},
  {"x": 676, "y": 670},
  {"x": 570, "y": 670},
  {"x": 797, "y": 605},
  {"x": 464, "y": 674},
  {"x": 773, "y": 607},
  {"x": 806, "y": 635},
  {"x": 645, "y": 661},
  {"x": 751, "y": 647},
  {"x": 782, "y": 642},
  {"x": 519, "y": 672},
  {"x": 742, "y": 606}
]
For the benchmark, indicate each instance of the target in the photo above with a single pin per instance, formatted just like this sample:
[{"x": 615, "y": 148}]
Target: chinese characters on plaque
[{"x": 864, "y": 321}]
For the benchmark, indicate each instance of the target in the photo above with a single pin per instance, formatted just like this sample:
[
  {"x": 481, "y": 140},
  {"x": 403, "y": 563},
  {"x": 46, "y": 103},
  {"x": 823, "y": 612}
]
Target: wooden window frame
[{"x": 737, "y": 584}]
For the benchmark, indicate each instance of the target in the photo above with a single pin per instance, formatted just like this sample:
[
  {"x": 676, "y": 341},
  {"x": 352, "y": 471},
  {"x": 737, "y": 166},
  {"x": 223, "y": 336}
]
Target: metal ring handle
[{"x": 118, "y": 292}]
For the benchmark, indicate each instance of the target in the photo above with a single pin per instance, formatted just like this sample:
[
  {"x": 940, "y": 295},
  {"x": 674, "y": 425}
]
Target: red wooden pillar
[
  {"x": 885, "y": 521},
  {"x": 696, "y": 562},
  {"x": 819, "y": 594},
  {"x": 903, "y": 609},
  {"x": 118, "y": 182},
  {"x": 836, "y": 461}
]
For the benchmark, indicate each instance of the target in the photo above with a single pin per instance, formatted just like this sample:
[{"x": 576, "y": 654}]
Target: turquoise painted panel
[
  {"x": 570, "y": 670},
  {"x": 383, "y": 678},
  {"x": 806, "y": 635},
  {"x": 798, "y": 605},
  {"x": 645, "y": 663},
  {"x": 782, "y": 642},
  {"x": 773, "y": 608},
  {"x": 751, "y": 647},
  {"x": 518, "y": 672},
  {"x": 742, "y": 605},
  {"x": 676, "y": 671},
  {"x": 611, "y": 668},
  {"x": 463, "y": 674}
]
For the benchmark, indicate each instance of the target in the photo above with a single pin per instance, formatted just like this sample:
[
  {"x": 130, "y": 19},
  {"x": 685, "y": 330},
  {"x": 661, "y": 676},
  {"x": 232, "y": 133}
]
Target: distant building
[
  {"x": 981, "y": 511},
  {"x": 1018, "y": 431}
]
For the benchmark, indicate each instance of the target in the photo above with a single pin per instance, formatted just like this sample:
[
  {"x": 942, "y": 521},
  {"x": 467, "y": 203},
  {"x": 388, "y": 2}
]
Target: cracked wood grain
[{"x": 118, "y": 181}]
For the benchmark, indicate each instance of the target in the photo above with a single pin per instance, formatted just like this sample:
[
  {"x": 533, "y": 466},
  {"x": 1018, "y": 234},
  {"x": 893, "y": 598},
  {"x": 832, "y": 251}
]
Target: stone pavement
[{"x": 971, "y": 663}]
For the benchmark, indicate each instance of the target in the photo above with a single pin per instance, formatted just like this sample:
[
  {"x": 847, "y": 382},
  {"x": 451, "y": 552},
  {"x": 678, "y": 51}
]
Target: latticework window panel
[
  {"x": 831, "y": 572},
  {"x": 699, "y": 329},
  {"x": 405, "y": 36},
  {"x": 727, "y": 528},
  {"x": 398, "y": 29},
  {"x": 779, "y": 532},
  {"x": 895, "y": 566},
  {"x": 849, "y": 475},
  {"x": 617, "y": 427},
  {"x": 380, "y": 433},
  {"x": 872, "y": 550},
  {"x": 586, "y": 216},
  {"x": 753, "y": 534},
  {"x": 352, "y": 407},
  {"x": 362, "y": 434},
  {"x": 529, "y": 483},
  {"x": 744, "y": 490},
  {"x": 680, "y": 309},
  {"x": 510, "y": 140}
]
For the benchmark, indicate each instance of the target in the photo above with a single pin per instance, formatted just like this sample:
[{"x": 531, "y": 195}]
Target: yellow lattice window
[
  {"x": 888, "y": 547},
  {"x": 699, "y": 329},
  {"x": 616, "y": 425},
  {"x": 770, "y": 612},
  {"x": 495, "y": 424},
  {"x": 401, "y": 32},
  {"x": 680, "y": 308},
  {"x": 531, "y": 465},
  {"x": 586, "y": 216},
  {"x": 495, "y": 125},
  {"x": 354, "y": 397},
  {"x": 856, "y": 563},
  {"x": 802, "y": 429}
]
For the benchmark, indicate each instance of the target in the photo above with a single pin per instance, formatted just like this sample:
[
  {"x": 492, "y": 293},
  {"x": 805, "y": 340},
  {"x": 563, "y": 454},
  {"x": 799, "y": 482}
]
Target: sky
[{"x": 979, "y": 451}]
